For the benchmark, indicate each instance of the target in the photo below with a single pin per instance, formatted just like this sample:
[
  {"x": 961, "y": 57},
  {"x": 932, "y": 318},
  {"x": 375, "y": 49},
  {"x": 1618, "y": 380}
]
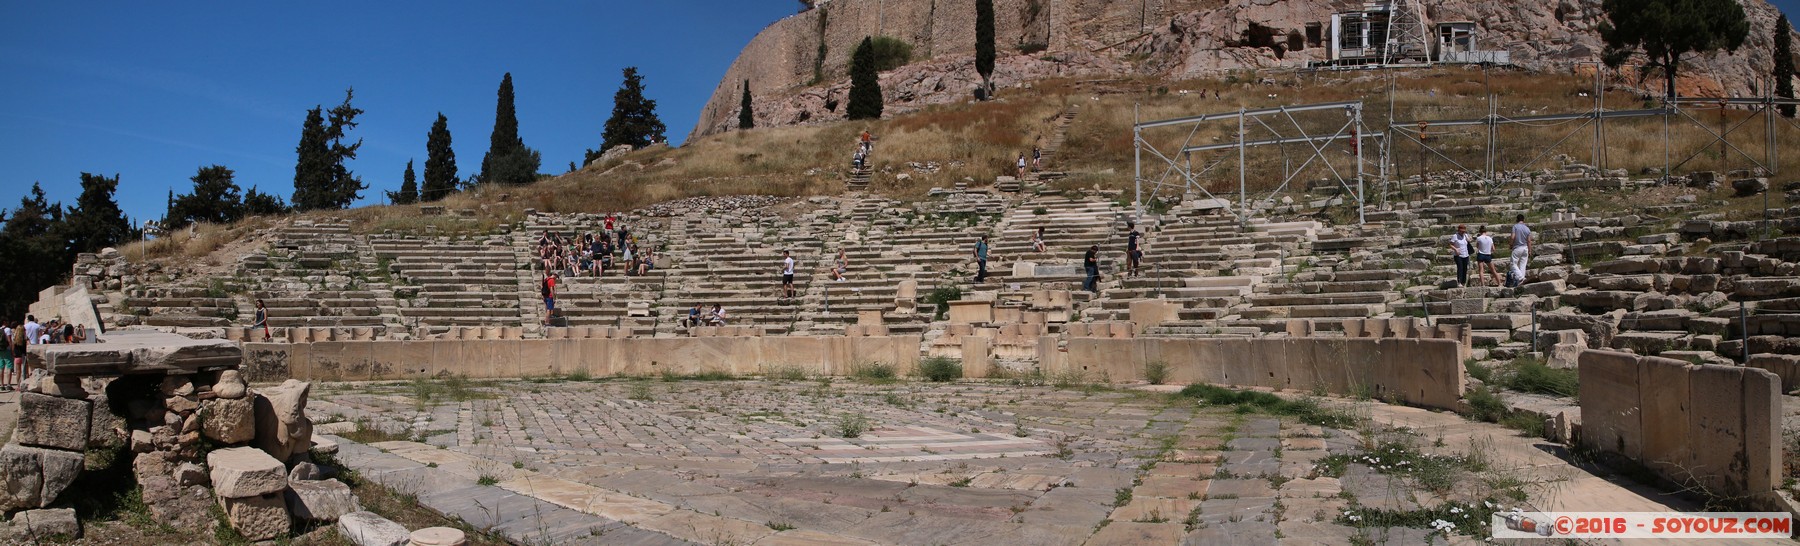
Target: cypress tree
[
  {"x": 96, "y": 221},
  {"x": 312, "y": 172},
  {"x": 984, "y": 45},
  {"x": 508, "y": 161},
  {"x": 1784, "y": 64},
  {"x": 409, "y": 188},
  {"x": 440, "y": 162},
  {"x": 633, "y": 120},
  {"x": 746, "y": 119},
  {"x": 345, "y": 187},
  {"x": 865, "y": 85}
]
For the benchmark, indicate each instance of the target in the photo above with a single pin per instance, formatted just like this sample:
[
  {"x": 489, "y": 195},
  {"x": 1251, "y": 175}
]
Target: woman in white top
[
  {"x": 1484, "y": 257},
  {"x": 1459, "y": 251},
  {"x": 1037, "y": 240}
]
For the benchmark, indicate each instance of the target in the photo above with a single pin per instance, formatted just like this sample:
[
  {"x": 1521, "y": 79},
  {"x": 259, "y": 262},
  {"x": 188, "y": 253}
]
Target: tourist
[
  {"x": 693, "y": 317},
  {"x": 609, "y": 222},
  {"x": 81, "y": 335},
  {"x": 628, "y": 258},
  {"x": 787, "y": 274},
  {"x": 717, "y": 316},
  {"x": 1021, "y": 166},
  {"x": 1484, "y": 257},
  {"x": 1037, "y": 240},
  {"x": 868, "y": 144},
  {"x": 1037, "y": 159},
  {"x": 548, "y": 289},
  {"x": 981, "y": 253},
  {"x": 645, "y": 263},
  {"x": 623, "y": 235},
  {"x": 843, "y": 265},
  {"x": 15, "y": 355},
  {"x": 1521, "y": 252},
  {"x": 1091, "y": 262},
  {"x": 68, "y": 332},
  {"x": 31, "y": 328},
  {"x": 1459, "y": 251},
  {"x": 1132, "y": 251},
  {"x": 262, "y": 318}
]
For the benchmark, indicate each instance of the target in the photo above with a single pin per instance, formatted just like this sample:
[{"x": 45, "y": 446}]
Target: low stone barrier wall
[
  {"x": 384, "y": 360},
  {"x": 1422, "y": 372},
  {"x": 1715, "y": 427}
]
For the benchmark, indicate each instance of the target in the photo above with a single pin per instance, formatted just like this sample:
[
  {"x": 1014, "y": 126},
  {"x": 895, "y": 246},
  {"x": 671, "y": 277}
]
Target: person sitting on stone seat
[
  {"x": 1037, "y": 240},
  {"x": 717, "y": 316},
  {"x": 693, "y": 317}
]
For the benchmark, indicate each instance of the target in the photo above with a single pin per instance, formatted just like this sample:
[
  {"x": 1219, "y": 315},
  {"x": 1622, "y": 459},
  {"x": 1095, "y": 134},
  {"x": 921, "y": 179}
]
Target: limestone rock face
[
  {"x": 49, "y": 421},
  {"x": 1117, "y": 38},
  {"x": 245, "y": 472},
  {"x": 229, "y": 421}
]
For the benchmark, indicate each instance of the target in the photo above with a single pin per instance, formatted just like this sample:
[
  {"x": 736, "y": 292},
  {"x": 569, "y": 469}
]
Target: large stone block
[
  {"x": 1610, "y": 398},
  {"x": 49, "y": 421},
  {"x": 242, "y": 472},
  {"x": 1716, "y": 413},
  {"x": 368, "y": 529},
  {"x": 229, "y": 421},
  {"x": 325, "y": 500},
  {"x": 1762, "y": 430},
  {"x": 136, "y": 353},
  {"x": 47, "y": 523},
  {"x": 261, "y": 517},
  {"x": 1662, "y": 396},
  {"x": 33, "y": 477}
]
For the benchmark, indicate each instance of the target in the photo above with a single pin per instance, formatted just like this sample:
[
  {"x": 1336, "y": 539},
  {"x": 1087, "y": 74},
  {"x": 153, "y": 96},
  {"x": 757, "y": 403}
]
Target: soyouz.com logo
[{"x": 1695, "y": 525}]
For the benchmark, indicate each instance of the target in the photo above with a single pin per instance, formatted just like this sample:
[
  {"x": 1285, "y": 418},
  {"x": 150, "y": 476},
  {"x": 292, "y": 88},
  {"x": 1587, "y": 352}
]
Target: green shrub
[
  {"x": 940, "y": 369},
  {"x": 1307, "y": 409},
  {"x": 891, "y": 53},
  {"x": 1531, "y": 375},
  {"x": 941, "y": 297},
  {"x": 1156, "y": 372},
  {"x": 852, "y": 425},
  {"x": 1484, "y": 405}
]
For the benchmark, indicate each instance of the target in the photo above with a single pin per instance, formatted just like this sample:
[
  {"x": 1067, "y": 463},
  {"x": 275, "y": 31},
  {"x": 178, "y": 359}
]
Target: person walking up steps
[
  {"x": 1459, "y": 251},
  {"x": 1521, "y": 252},
  {"x": 1037, "y": 158},
  {"x": 1091, "y": 262},
  {"x": 1021, "y": 166},
  {"x": 1132, "y": 251},
  {"x": 981, "y": 252},
  {"x": 787, "y": 274},
  {"x": 1484, "y": 258}
]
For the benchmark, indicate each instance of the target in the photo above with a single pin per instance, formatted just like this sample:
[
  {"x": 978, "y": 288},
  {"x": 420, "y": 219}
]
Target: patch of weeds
[
  {"x": 640, "y": 391},
  {"x": 1156, "y": 372},
  {"x": 1530, "y": 374},
  {"x": 1155, "y": 516},
  {"x": 1068, "y": 378},
  {"x": 941, "y": 298},
  {"x": 486, "y": 480},
  {"x": 852, "y": 425},
  {"x": 1471, "y": 519},
  {"x": 939, "y": 369},
  {"x": 1121, "y": 496},
  {"x": 787, "y": 373},
  {"x": 878, "y": 372},
  {"x": 1479, "y": 371},
  {"x": 702, "y": 375},
  {"x": 580, "y": 375},
  {"x": 1308, "y": 409},
  {"x": 780, "y": 526},
  {"x": 1484, "y": 405},
  {"x": 962, "y": 482},
  {"x": 1527, "y": 424}
]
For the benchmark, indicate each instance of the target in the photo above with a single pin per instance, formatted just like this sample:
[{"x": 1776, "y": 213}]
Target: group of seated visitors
[
  {"x": 695, "y": 317},
  {"x": 593, "y": 253}
]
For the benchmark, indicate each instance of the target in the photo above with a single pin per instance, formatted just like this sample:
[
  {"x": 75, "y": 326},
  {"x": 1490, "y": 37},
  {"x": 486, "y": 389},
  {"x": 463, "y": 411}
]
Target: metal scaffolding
[{"x": 1179, "y": 162}]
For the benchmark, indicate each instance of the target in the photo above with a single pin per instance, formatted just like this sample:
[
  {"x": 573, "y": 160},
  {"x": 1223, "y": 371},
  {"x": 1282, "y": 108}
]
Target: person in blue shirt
[{"x": 981, "y": 252}]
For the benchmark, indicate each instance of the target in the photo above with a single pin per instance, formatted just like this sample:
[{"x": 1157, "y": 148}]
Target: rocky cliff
[{"x": 797, "y": 67}]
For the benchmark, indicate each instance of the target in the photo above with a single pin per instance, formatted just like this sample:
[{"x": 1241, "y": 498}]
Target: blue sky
[{"x": 154, "y": 90}]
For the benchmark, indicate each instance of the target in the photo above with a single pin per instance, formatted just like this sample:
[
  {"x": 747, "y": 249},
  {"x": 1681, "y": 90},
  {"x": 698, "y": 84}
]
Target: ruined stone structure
[{"x": 1175, "y": 39}]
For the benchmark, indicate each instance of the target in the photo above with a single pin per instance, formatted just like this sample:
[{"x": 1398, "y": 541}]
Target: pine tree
[
  {"x": 96, "y": 221},
  {"x": 34, "y": 245},
  {"x": 746, "y": 118},
  {"x": 312, "y": 172},
  {"x": 865, "y": 85},
  {"x": 214, "y": 199},
  {"x": 409, "y": 189},
  {"x": 440, "y": 162},
  {"x": 633, "y": 120},
  {"x": 1665, "y": 30},
  {"x": 508, "y": 161},
  {"x": 984, "y": 45},
  {"x": 257, "y": 203},
  {"x": 1784, "y": 64},
  {"x": 345, "y": 186}
]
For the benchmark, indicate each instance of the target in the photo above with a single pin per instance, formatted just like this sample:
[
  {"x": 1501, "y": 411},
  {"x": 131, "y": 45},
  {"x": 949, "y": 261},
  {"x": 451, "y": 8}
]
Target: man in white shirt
[
  {"x": 31, "y": 328},
  {"x": 787, "y": 274},
  {"x": 1459, "y": 250},
  {"x": 1484, "y": 257},
  {"x": 1521, "y": 252}
]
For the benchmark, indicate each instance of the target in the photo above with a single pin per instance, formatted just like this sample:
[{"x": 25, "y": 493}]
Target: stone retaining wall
[
  {"x": 1422, "y": 372},
  {"x": 383, "y": 360},
  {"x": 1714, "y": 427}
]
